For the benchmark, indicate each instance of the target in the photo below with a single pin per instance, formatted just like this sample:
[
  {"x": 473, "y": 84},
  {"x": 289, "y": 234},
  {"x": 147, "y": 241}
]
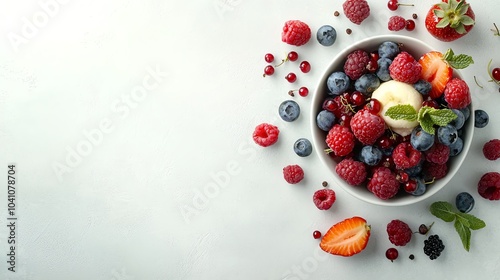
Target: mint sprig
[
  {"x": 426, "y": 116},
  {"x": 459, "y": 61},
  {"x": 464, "y": 222}
]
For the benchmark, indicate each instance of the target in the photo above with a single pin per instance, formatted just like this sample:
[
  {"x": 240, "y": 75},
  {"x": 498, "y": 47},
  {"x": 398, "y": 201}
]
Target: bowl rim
[{"x": 328, "y": 162}]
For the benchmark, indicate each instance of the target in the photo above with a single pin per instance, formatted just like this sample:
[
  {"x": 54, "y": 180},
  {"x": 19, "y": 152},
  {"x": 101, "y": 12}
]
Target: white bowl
[{"x": 417, "y": 49}]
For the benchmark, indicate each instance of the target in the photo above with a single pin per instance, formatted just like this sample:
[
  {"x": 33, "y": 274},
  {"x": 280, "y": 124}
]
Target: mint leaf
[
  {"x": 474, "y": 222},
  {"x": 460, "y": 61},
  {"x": 464, "y": 233},
  {"x": 441, "y": 117},
  {"x": 425, "y": 120},
  {"x": 443, "y": 210},
  {"x": 402, "y": 112},
  {"x": 462, "y": 220}
]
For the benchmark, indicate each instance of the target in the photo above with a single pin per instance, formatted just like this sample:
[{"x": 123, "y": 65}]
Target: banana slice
[{"x": 393, "y": 93}]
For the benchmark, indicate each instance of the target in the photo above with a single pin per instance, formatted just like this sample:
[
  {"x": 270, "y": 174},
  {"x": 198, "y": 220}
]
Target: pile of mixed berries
[{"x": 370, "y": 153}]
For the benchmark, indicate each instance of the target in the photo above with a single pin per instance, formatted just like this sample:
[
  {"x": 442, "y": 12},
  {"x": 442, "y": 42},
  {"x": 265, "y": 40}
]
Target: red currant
[
  {"x": 268, "y": 70},
  {"x": 293, "y": 56},
  {"x": 410, "y": 186},
  {"x": 305, "y": 66},
  {"x": 317, "y": 234},
  {"x": 269, "y": 58},
  {"x": 410, "y": 25},
  {"x": 303, "y": 91},
  {"x": 358, "y": 99},
  {"x": 403, "y": 177},
  {"x": 384, "y": 142},
  {"x": 391, "y": 254},
  {"x": 330, "y": 105},
  {"x": 495, "y": 73},
  {"x": 393, "y": 5},
  {"x": 431, "y": 103},
  {"x": 345, "y": 120},
  {"x": 291, "y": 77},
  {"x": 373, "y": 106}
]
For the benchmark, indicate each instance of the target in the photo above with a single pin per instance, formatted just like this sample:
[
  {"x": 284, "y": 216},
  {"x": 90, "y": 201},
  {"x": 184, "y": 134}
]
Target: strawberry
[
  {"x": 436, "y": 71},
  {"x": 347, "y": 237},
  {"x": 449, "y": 20}
]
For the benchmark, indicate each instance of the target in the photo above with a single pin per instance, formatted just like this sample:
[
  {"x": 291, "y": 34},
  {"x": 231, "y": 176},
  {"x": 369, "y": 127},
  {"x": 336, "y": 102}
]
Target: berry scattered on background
[
  {"x": 396, "y": 23},
  {"x": 348, "y": 31},
  {"x": 352, "y": 171},
  {"x": 464, "y": 202},
  {"x": 340, "y": 140},
  {"x": 305, "y": 67},
  {"x": 293, "y": 174},
  {"x": 457, "y": 94},
  {"x": 291, "y": 77},
  {"x": 289, "y": 110},
  {"x": 458, "y": 20},
  {"x": 265, "y": 134},
  {"x": 405, "y": 68},
  {"x": 355, "y": 65},
  {"x": 356, "y": 10},
  {"x": 296, "y": 32},
  {"x": 433, "y": 247},
  {"x": 399, "y": 232},
  {"x": 489, "y": 186},
  {"x": 367, "y": 127},
  {"x": 346, "y": 238},
  {"x": 424, "y": 229},
  {"x": 316, "y": 234},
  {"x": 481, "y": 118},
  {"x": 268, "y": 57},
  {"x": 302, "y": 147},
  {"x": 326, "y": 35},
  {"x": 410, "y": 25},
  {"x": 324, "y": 198},
  {"x": 391, "y": 254},
  {"x": 268, "y": 71},
  {"x": 383, "y": 183},
  {"x": 394, "y": 5},
  {"x": 491, "y": 149}
]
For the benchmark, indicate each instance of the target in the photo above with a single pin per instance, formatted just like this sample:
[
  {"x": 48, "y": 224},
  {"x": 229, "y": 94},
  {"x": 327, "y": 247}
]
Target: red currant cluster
[
  {"x": 291, "y": 77},
  {"x": 397, "y": 23}
]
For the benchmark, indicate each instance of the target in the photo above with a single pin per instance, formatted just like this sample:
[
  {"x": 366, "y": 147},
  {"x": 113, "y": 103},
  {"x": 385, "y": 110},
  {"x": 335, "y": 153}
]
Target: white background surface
[{"x": 175, "y": 188}]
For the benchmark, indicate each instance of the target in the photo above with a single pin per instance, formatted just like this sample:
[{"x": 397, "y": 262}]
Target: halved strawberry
[
  {"x": 436, "y": 71},
  {"x": 346, "y": 238}
]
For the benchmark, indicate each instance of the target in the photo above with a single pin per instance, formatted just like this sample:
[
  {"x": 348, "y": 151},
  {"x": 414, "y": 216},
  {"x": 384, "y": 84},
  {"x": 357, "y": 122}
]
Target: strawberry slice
[
  {"x": 436, "y": 71},
  {"x": 346, "y": 238}
]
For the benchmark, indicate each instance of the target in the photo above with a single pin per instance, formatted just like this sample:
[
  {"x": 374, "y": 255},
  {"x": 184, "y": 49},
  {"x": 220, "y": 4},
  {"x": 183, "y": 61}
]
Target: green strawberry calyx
[{"x": 453, "y": 14}]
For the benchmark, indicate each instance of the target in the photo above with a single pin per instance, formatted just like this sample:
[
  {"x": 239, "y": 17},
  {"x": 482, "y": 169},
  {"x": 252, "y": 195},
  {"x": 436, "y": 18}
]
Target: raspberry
[
  {"x": 399, "y": 232},
  {"x": 383, "y": 183},
  {"x": 296, "y": 32},
  {"x": 438, "y": 153},
  {"x": 489, "y": 186},
  {"x": 367, "y": 127},
  {"x": 434, "y": 171},
  {"x": 405, "y": 68},
  {"x": 356, "y": 10},
  {"x": 491, "y": 149},
  {"x": 353, "y": 172},
  {"x": 324, "y": 198},
  {"x": 396, "y": 23},
  {"x": 356, "y": 63},
  {"x": 341, "y": 140},
  {"x": 293, "y": 174},
  {"x": 457, "y": 94},
  {"x": 405, "y": 156},
  {"x": 265, "y": 134}
]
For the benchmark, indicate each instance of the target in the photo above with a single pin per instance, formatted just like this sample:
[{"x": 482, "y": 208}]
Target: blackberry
[{"x": 433, "y": 247}]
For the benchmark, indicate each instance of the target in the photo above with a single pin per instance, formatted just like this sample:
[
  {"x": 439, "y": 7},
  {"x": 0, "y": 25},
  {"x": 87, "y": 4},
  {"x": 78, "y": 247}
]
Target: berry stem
[
  {"x": 282, "y": 61},
  {"x": 496, "y": 32},
  {"x": 475, "y": 80}
]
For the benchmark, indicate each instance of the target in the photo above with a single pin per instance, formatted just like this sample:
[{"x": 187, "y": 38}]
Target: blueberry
[
  {"x": 421, "y": 140},
  {"x": 481, "y": 118},
  {"x": 326, "y": 35},
  {"x": 383, "y": 69},
  {"x": 447, "y": 134},
  {"x": 370, "y": 155},
  {"x": 337, "y": 83},
  {"x": 457, "y": 147},
  {"x": 388, "y": 151},
  {"x": 367, "y": 83},
  {"x": 388, "y": 49},
  {"x": 421, "y": 187},
  {"x": 415, "y": 170},
  {"x": 289, "y": 110},
  {"x": 464, "y": 202},
  {"x": 325, "y": 120},
  {"x": 459, "y": 121},
  {"x": 302, "y": 147},
  {"x": 423, "y": 86},
  {"x": 466, "y": 112}
]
